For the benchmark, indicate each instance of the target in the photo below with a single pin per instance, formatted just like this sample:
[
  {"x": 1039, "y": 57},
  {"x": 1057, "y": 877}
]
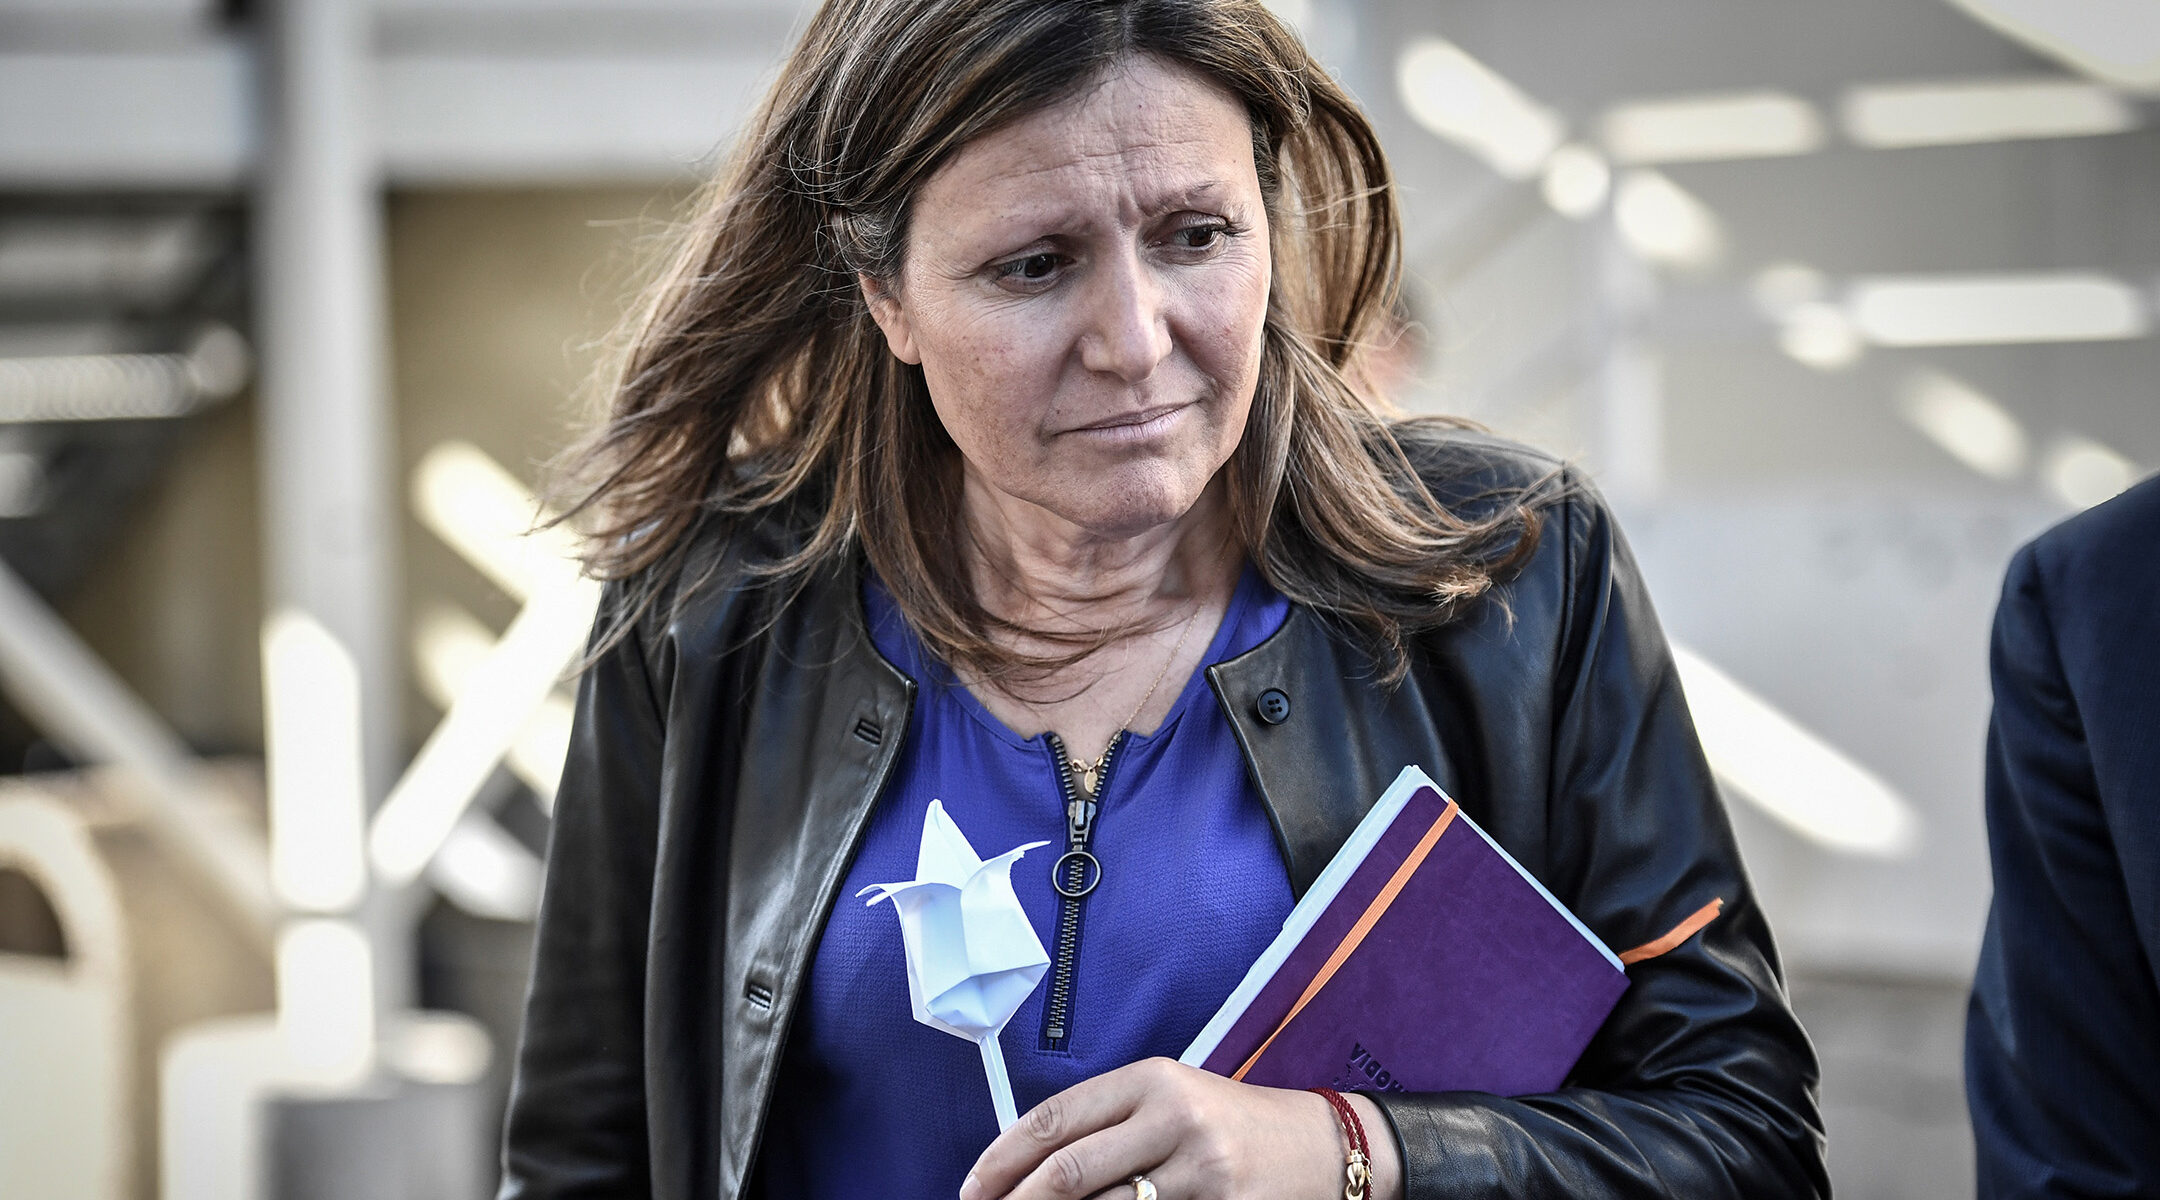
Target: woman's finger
[
  {"x": 1061, "y": 1121},
  {"x": 1102, "y": 1161},
  {"x": 1169, "y": 1180}
]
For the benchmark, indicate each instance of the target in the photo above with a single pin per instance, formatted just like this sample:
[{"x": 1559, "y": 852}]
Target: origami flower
[{"x": 972, "y": 956}]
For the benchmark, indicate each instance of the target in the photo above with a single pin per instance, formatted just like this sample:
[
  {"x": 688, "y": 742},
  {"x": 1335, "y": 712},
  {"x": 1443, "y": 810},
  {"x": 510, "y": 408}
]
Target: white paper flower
[{"x": 972, "y": 956}]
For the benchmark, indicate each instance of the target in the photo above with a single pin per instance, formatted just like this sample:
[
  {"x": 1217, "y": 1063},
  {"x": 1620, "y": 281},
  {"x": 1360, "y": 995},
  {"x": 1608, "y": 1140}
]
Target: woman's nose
[{"x": 1128, "y": 330}]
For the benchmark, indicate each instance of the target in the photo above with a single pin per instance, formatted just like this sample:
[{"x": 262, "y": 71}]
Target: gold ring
[{"x": 1141, "y": 1188}]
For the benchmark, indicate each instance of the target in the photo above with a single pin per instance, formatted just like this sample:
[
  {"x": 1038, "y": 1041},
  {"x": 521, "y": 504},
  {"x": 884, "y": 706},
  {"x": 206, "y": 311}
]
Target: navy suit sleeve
[{"x": 2063, "y": 1038}]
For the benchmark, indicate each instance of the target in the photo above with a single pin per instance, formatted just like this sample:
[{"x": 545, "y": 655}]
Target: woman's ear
[{"x": 886, "y": 310}]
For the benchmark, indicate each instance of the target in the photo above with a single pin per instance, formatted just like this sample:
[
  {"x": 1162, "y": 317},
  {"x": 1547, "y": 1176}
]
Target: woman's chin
[
  {"x": 1126, "y": 504},
  {"x": 1095, "y": 499}
]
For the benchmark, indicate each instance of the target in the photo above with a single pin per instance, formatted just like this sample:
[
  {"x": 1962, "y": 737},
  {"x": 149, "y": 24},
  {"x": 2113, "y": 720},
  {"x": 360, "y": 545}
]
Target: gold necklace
[{"x": 1089, "y": 774}]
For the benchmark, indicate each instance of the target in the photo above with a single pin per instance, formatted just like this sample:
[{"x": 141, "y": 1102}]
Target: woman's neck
[
  {"x": 1166, "y": 588},
  {"x": 1040, "y": 571}
]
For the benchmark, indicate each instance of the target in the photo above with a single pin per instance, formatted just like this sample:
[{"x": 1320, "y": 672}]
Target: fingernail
[{"x": 968, "y": 1187}]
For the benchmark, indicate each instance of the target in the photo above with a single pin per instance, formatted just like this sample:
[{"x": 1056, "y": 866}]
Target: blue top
[{"x": 870, "y": 1103}]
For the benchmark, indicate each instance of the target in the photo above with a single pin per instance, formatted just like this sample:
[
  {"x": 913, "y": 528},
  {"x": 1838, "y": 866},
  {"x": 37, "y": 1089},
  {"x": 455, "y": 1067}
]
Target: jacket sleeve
[
  {"x": 1701, "y": 1083},
  {"x": 2065, "y": 1021},
  {"x": 576, "y": 1120}
]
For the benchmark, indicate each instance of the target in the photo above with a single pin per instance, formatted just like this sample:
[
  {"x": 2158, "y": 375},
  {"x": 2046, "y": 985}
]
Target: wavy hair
[{"x": 755, "y": 383}]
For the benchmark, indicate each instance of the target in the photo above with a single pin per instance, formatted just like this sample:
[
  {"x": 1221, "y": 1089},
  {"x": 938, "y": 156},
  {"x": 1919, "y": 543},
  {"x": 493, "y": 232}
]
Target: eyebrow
[
  {"x": 1059, "y": 224},
  {"x": 1199, "y": 191},
  {"x": 1157, "y": 205}
]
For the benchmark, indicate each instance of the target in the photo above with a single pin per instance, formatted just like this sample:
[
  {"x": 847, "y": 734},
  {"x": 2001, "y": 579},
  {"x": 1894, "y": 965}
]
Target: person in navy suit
[{"x": 2062, "y": 1039}]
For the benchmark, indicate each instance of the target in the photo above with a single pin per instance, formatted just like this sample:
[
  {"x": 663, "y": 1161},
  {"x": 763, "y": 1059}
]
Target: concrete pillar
[{"x": 328, "y": 474}]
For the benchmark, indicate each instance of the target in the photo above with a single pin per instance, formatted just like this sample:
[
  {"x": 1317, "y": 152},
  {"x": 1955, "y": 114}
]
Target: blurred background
[{"x": 1839, "y": 301}]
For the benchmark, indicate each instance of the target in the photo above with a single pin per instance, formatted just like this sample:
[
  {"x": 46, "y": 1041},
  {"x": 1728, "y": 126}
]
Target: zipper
[{"x": 1074, "y": 875}]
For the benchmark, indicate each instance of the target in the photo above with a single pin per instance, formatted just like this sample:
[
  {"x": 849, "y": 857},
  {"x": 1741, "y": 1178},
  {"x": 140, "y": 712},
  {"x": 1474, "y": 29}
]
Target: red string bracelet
[{"x": 1357, "y": 1165}]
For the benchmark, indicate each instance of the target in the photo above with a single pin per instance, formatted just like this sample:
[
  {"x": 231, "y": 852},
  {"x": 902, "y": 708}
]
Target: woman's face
[{"x": 1084, "y": 290}]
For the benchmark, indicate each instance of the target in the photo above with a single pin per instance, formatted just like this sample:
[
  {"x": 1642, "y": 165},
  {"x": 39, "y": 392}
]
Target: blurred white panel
[
  {"x": 516, "y": 679},
  {"x": 326, "y": 1016},
  {"x": 2082, "y": 472},
  {"x": 437, "y": 1047},
  {"x": 486, "y": 872},
  {"x": 181, "y": 118},
  {"x": 1456, "y": 97},
  {"x": 1940, "y": 114},
  {"x": 486, "y": 514},
  {"x": 1704, "y": 128},
  {"x": 318, "y": 807},
  {"x": 1967, "y": 310},
  {"x": 1811, "y": 329},
  {"x": 449, "y": 646},
  {"x": 1781, "y": 287},
  {"x": 449, "y": 643},
  {"x": 2113, "y": 40},
  {"x": 1577, "y": 181},
  {"x": 1798, "y": 779},
  {"x": 1864, "y": 618},
  {"x": 1968, "y": 424},
  {"x": 1820, "y": 335},
  {"x": 1665, "y": 223},
  {"x": 484, "y": 118}
]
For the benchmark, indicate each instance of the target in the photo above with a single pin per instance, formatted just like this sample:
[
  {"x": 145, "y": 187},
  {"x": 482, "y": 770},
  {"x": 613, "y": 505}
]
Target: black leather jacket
[{"x": 721, "y": 773}]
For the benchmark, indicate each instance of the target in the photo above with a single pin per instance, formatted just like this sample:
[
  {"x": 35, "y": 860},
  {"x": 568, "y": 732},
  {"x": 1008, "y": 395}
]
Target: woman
[{"x": 1002, "y": 438}]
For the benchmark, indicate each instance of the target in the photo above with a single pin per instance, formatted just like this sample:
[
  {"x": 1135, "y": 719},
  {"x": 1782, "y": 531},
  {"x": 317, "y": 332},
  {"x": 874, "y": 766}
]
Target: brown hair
[{"x": 757, "y": 383}]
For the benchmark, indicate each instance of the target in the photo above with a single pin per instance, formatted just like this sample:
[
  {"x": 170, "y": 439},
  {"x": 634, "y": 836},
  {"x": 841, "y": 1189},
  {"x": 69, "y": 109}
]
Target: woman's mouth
[{"x": 1140, "y": 425}]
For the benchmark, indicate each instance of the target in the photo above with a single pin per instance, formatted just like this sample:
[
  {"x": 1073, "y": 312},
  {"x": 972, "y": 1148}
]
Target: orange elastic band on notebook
[
  {"x": 1365, "y": 922},
  {"x": 1680, "y": 933}
]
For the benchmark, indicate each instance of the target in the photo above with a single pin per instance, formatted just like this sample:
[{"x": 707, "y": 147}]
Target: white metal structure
[{"x": 65, "y": 1037}]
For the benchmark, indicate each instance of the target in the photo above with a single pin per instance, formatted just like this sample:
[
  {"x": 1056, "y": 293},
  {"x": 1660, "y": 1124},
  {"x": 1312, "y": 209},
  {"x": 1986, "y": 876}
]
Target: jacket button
[{"x": 1274, "y": 706}]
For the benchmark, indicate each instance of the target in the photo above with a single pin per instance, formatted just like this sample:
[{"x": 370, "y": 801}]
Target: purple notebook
[{"x": 1424, "y": 959}]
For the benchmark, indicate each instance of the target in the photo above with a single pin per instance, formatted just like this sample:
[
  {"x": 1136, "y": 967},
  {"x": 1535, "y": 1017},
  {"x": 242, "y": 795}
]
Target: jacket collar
[
  {"x": 1321, "y": 736},
  {"x": 804, "y": 793}
]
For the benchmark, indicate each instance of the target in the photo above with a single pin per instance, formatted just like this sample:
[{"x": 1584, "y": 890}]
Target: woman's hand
[{"x": 1195, "y": 1135}]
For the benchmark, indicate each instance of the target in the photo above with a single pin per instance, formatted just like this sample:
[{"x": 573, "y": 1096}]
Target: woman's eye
[
  {"x": 1199, "y": 237},
  {"x": 1033, "y": 268}
]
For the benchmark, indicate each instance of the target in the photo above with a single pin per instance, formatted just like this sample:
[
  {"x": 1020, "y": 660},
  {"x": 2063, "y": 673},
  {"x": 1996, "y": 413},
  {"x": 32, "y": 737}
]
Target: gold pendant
[{"x": 1087, "y": 776}]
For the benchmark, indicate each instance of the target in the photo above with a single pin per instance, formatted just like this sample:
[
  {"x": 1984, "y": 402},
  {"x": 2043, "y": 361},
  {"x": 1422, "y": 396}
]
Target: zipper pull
[{"x": 1079, "y": 820}]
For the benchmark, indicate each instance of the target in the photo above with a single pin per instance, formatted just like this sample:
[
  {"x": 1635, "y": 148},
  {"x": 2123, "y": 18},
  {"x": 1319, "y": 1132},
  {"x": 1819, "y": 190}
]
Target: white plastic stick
[{"x": 993, "y": 1056}]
